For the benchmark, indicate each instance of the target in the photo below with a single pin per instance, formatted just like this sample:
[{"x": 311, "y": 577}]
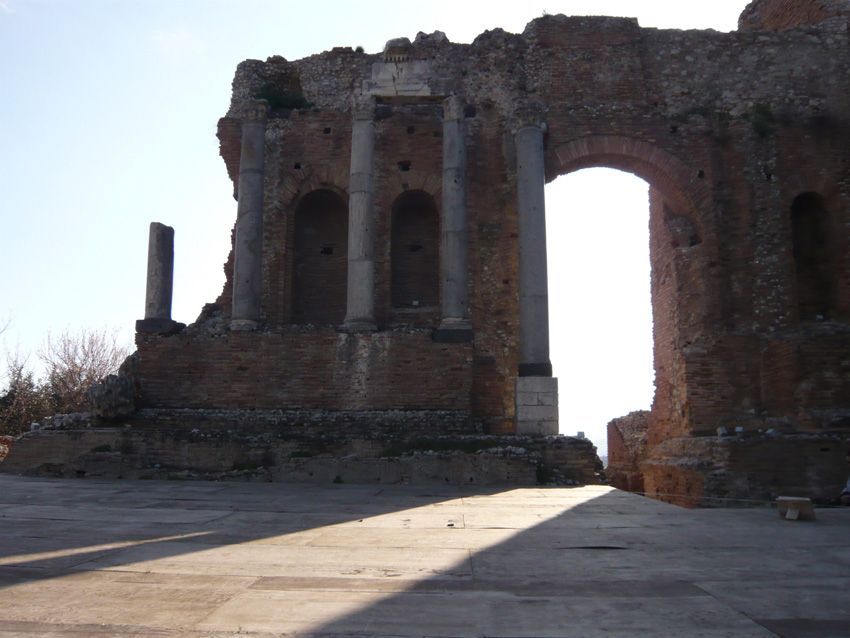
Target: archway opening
[
  {"x": 600, "y": 309},
  {"x": 320, "y": 258}
]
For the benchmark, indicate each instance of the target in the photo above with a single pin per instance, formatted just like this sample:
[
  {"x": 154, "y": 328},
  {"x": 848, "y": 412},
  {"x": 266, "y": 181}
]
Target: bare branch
[
  {"x": 74, "y": 362},
  {"x": 22, "y": 399}
]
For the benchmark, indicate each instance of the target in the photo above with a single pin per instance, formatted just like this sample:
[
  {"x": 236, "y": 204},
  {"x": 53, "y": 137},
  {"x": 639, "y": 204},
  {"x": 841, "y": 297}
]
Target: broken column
[
  {"x": 158, "y": 291},
  {"x": 454, "y": 324},
  {"x": 536, "y": 390},
  {"x": 360, "y": 304},
  {"x": 248, "y": 243}
]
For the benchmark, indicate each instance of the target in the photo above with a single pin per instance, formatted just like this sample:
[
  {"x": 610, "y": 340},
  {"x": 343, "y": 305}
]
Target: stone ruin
[{"x": 385, "y": 311}]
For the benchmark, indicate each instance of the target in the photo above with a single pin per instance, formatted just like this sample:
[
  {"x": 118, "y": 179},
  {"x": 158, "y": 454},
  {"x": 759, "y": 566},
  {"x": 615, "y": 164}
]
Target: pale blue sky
[{"x": 108, "y": 111}]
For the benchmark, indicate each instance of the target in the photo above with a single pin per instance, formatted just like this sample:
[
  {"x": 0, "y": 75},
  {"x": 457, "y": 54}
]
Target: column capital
[
  {"x": 528, "y": 115},
  {"x": 363, "y": 107},
  {"x": 255, "y": 111},
  {"x": 453, "y": 107}
]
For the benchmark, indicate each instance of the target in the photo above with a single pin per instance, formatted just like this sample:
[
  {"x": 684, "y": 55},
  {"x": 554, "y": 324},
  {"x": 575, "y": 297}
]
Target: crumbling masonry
[{"x": 388, "y": 286}]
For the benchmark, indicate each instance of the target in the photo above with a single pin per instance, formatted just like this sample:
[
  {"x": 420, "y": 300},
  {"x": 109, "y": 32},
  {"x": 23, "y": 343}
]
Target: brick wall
[
  {"x": 318, "y": 369},
  {"x": 627, "y": 445}
]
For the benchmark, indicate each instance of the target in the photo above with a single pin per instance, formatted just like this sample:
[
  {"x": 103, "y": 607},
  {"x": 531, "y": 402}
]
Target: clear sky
[{"x": 108, "y": 112}]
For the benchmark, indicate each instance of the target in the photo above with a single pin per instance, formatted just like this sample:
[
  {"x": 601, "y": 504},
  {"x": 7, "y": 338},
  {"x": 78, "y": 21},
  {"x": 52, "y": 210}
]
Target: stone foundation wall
[
  {"x": 747, "y": 470},
  {"x": 295, "y": 446}
]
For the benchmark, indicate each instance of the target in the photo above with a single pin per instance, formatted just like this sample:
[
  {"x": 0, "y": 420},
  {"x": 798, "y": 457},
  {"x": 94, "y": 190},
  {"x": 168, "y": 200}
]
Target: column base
[
  {"x": 358, "y": 326},
  {"x": 158, "y": 326},
  {"x": 543, "y": 369},
  {"x": 537, "y": 406},
  {"x": 243, "y": 325},
  {"x": 453, "y": 331}
]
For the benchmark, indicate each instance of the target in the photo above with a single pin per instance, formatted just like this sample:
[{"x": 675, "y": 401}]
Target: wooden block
[{"x": 795, "y": 508}]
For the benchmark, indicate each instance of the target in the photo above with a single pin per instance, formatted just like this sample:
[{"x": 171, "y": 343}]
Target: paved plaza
[{"x": 191, "y": 559}]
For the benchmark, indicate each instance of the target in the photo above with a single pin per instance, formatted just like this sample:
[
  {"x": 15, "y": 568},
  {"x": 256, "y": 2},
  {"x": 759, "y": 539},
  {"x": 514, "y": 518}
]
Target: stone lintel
[{"x": 402, "y": 78}]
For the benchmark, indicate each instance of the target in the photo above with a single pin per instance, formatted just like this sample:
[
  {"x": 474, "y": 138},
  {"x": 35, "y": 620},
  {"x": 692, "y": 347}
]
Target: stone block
[
  {"x": 547, "y": 398},
  {"x": 409, "y": 78},
  {"x": 795, "y": 508},
  {"x": 537, "y": 405},
  {"x": 527, "y": 398},
  {"x": 537, "y": 384},
  {"x": 537, "y": 412},
  {"x": 537, "y": 427}
]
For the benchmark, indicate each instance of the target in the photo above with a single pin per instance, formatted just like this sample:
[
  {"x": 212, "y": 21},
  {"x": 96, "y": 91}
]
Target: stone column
[
  {"x": 454, "y": 324},
  {"x": 533, "y": 278},
  {"x": 536, "y": 390},
  {"x": 158, "y": 291},
  {"x": 248, "y": 249},
  {"x": 360, "y": 308},
  {"x": 160, "y": 272}
]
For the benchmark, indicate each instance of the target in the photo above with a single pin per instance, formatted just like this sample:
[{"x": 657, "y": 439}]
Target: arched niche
[
  {"x": 414, "y": 252},
  {"x": 320, "y": 258},
  {"x": 814, "y": 265}
]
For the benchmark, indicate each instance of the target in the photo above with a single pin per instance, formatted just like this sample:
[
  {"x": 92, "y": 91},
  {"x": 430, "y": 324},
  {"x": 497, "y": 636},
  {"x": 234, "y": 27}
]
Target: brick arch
[
  {"x": 417, "y": 180},
  {"x": 680, "y": 297},
  {"x": 298, "y": 183},
  {"x": 311, "y": 186},
  {"x": 318, "y": 261},
  {"x": 414, "y": 250},
  {"x": 290, "y": 188},
  {"x": 798, "y": 183},
  {"x": 682, "y": 186}
]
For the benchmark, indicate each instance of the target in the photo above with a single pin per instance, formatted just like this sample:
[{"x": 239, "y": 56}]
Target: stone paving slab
[
  {"x": 208, "y": 560},
  {"x": 262, "y": 560}
]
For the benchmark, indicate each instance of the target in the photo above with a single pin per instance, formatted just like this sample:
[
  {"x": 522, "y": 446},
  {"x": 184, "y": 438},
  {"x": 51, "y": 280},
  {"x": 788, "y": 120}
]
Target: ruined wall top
[
  {"x": 504, "y": 67},
  {"x": 781, "y": 15},
  {"x": 578, "y": 67}
]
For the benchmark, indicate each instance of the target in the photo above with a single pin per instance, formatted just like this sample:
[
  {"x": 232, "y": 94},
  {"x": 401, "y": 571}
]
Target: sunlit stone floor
[{"x": 122, "y": 558}]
